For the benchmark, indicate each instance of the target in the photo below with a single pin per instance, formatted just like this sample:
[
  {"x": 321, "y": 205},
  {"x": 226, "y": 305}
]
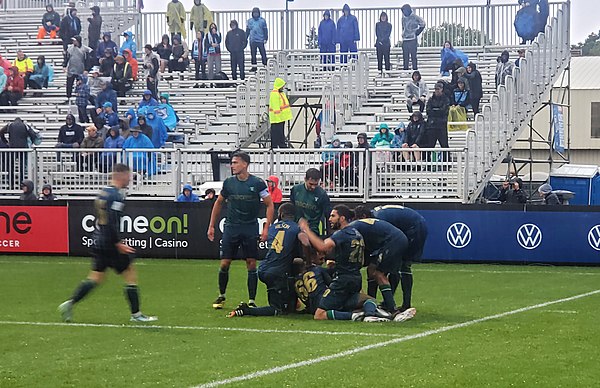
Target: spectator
[
  {"x": 15, "y": 85},
  {"x": 40, "y": 75},
  {"x": 107, "y": 94},
  {"x": 383, "y": 43},
  {"x": 197, "y": 56},
  {"x": 383, "y": 138},
  {"x": 74, "y": 64},
  {"x": 166, "y": 112},
  {"x": 236, "y": 42},
  {"x": 180, "y": 61},
  {"x": 164, "y": 51},
  {"x": 70, "y": 27},
  {"x": 521, "y": 53},
  {"x": 159, "y": 129},
  {"x": 70, "y": 135},
  {"x": 107, "y": 63},
  {"x": 3, "y": 80},
  {"x": 327, "y": 38},
  {"x": 19, "y": 135},
  {"x": 96, "y": 83},
  {"x": 187, "y": 194},
  {"x": 399, "y": 136},
  {"x": 82, "y": 98},
  {"x": 451, "y": 56},
  {"x": 106, "y": 44},
  {"x": 122, "y": 79},
  {"x": 141, "y": 162},
  {"x": 274, "y": 190},
  {"x": 531, "y": 19},
  {"x": 6, "y": 65},
  {"x": 458, "y": 73},
  {"x": 280, "y": 112},
  {"x": 132, "y": 62},
  {"x": 151, "y": 65},
  {"x": 514, "y": 195},
  {"x": 24, "y": 64},
  {"x": 94, "y": 28},
  {"x": 200, "y": 18},
  {"x": 28, "y": 191},
  {"x": 504, "y": 68},
  {"x": 212, "y": 44},
  {"x": 412, "y": 26},
  {"x": 50, "y": 23},
  {"x": 113, "y": 140},
  {"x": 416, "y": 92},
  {"x": 549, "y": 197},
  {"x": 437, "y": 118},
  {"x": 475, "y": 85},
  {"x": 347, "y": 33},
  {"x": 348, "y": 167},
  {"x": 108, "y": 117},
  {"x": 70, "y": 6},
  {"x": 144, "y": 127},
  {"x": 176, "y": 19},
  {"x": 412, "y": 135},
  {"x": 47, "y": 193},
  {"x": 461, "y": 95},
  {"x": 210, "y": 194},
  {"x": 363, "y": 141},
  {"x": 88, "y": 161},
  {"x": 258, "y": 34},
  {"x": 129, "y": 44},
  {"x": 147, "y": 100},
  {"x": 331, "y": 161}
]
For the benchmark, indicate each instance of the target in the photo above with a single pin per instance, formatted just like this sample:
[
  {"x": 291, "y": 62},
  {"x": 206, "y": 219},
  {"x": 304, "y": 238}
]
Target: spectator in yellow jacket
[
  {"x": 24, "y": 64},
  {"x": 280, "y": 112},
  {"x": 176, "y": 18},
  {"x": 200, "y": 17}
]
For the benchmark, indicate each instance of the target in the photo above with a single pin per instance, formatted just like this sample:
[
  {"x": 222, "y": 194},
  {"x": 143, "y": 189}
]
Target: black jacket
[
  {"x": 383, "y": 30},
  {"x": 475, "y": 83},
  {"x": 437, "y": 112},
  {"x": 512, "y": 196},
  {"x": 106, "y": 67},
  {"x": 52, "y": 17},
  {"x": 94, "y": 29},
  {"x": 552, "y": 199},
  {"x": 29, "y": 195},
  {"x": 121, "y": 72},
  {"x": 71, "y": 135},
  {"x": 236, "y": 40},
  {"x": 18, "y": 134},
  {"x": 413, "y": 132},
  {"x": 67, "y": 31}
]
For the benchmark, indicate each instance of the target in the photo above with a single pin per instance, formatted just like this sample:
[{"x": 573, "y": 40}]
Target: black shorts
[
  {"x": 236, "y": 236},
  {"x": 390, "y": 258},
  {"x": 343, "y": 294},
  {"x": 278, "y": 291},
  {"x": 103, "y": 259},
  {"x": 416, "y": 242}
]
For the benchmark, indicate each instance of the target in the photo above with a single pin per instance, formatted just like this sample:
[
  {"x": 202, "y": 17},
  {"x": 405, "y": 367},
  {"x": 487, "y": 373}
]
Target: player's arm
[
  {"x": 323, "y": 246},
  {"x": 214, "y": 214},
  {"x": 270, "y": 215}
]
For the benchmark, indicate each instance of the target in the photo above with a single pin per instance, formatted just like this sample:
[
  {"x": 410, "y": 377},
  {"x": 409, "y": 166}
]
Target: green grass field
[{"x": 547, "y": 345}]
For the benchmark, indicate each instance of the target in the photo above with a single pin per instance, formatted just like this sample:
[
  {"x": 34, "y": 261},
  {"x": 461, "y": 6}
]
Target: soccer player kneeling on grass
[
  {"x": 108, "y": 250},
  {"x": 276, "y": 268}
]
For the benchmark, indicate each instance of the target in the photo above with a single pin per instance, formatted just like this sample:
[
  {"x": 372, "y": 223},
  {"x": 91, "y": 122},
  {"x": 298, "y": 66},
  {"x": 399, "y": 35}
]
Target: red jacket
[
  {"x": 16, "y": 81},
  {"x": 275, "y": 191}
]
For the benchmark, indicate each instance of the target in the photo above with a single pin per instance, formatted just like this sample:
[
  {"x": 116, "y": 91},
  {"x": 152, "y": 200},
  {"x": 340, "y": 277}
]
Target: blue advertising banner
[{"x": 559, "y": 128}]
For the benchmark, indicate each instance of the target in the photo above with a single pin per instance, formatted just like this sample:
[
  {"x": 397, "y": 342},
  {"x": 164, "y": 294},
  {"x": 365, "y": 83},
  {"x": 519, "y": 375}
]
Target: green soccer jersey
[
  {"x": 314, "y": 206},
  {"x": 243, "y": 199}
]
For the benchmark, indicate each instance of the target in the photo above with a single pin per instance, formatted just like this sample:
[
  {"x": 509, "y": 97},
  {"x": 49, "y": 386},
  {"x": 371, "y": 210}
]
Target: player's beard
[{"x": 335, "y": 225}]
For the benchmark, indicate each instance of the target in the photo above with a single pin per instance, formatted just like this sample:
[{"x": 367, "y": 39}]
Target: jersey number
[
  {"x": 277, "y": 244},
  {"x": 307, "y": 285}
]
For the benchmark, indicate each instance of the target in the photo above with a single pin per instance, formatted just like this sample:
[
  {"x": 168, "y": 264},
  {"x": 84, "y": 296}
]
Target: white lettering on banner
[
  {"x": 459, "y": 235},
  {"x": 529, "y": 236},
  {"x": 141, "y": 224},
  {"x": 9, "y": 243},
  {"x": 594, "y": 238},
  {"x": 87, "y": 223}
]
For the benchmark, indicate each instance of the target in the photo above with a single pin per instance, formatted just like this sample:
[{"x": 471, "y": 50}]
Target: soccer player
[
  {"x": 243, "y": 193},
  {"x": 276, "y": 268},
  {"x": 311, "y": 283},
  {"x": 109, "y": 251},
  {"x": 312, "y": 202}
]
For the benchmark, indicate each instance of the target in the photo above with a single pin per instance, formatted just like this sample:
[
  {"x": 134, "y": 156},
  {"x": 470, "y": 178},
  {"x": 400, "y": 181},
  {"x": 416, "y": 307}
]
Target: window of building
[{"x": 595, "y": 120}]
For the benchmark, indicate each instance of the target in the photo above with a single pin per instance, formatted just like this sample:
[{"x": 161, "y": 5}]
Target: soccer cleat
[
  {"x": 219, "y": 303},
  {"x": 139, "y": 317},
  {"x": 359, "y": 316},
  {"x": 381, "y": 313},
  {"x": 66, "y": 310},
  {"x": 375, "y": 319},
  {"x": 405, "y": 315},
  {"x": 251, "y": 304}
]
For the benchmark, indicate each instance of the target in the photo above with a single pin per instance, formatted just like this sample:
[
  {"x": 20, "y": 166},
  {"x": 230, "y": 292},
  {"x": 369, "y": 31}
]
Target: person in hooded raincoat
[
  {"x": 139, "y": 161},
  {"x": 129, "y": 43},
  {"x": 159, "y": 129},
  {"x": 280, "y": 112},
  {"x": 47, "y": 194},
  {"x": 28, "y": 191},
  {"x": 176, "y": 18},
  {"x": 133, "y": 62},
  {"x": 106, "y": 43},
  {"x": 327, "y": 37},
  {"x": 258, "y": 34},
  {"x": 274, "y": 190},
  {"x": 50, "y": 23},
  {"x": 531, "y": 19},
  {"x": 347, "y": 33},
  {"x": 200, "y": 18},
  {"x": 94, "y": 28},
  {"x": 187, "y": 194}
]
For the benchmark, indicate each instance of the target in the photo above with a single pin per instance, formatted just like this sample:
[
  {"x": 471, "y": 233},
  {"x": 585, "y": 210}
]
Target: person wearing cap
[
  {"x": 74, "y": 64},
  {"x": 280, "y": 112},
  {"x": 108, "y": 117},
  {"x": 512, "y": 192},
  {"x": 122, "y": 79},
  {"x": 70, "y": 26},
  {"x": 363, "y": 141},
  {"x": 187, "y": 194},
  {"x": 549, "y": 197},
  {"x": 96, "y": 83},
  {"x": 147, "y": 100},
  {"x": 94, "y": 28},
  {"x": 151, "y": 66},
  {"x": 129, "y": 43}
]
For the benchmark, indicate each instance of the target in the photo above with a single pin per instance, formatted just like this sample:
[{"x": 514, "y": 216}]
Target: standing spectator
[
  {"x": 327, "y": 37},
  {"x": 521, "y": 53},
  {"x": 176, "y": 19},
  {"x": 105, "y": 45},
  {"x": 47, "y": 193},
  {"x": 274, "y": 190},
  {"x": 383, "y": 44},
  {"x": 280, "y": 112},
  {"x": 147, "y": 100},
  {"x": 151, "y": 65},
  {"x": 516, "y": 195},
  {"x": 383, "y": 138},
  {"x": 19, "y": 135},
  {"x": 412, "y": 26},
  {"x": 94, "y": 28},
  {"x": 200, "y": 18},
  {"x": 412, "y": 135},
  {"x": 549, "y": 197},
  {"x": 70, "y": 27},
  {"x": 122, "y": 79},
  {"x": 363, "y": 141},
  {"x": 50, "y": 23},
  {"x": 15, "y": 86},
  {"x": 347, "y": 33},
  {"x": 416, "y": 92},
  {"x": 24, "y": 64},
  {"x": 88, "y": 161},
  {"x": 236, "y": 42},
  {"x": 28, "y": 191},
  {"x": 187, "y": 194},
  {"x": 127, "y": 54},
  {"x": 128, "y": 44},
  {"x": 40, "y": 75},
  {"x": 164, "y": 51},
  {"x": 504, "y": 68},
  {"x": 113, "y": 140},
  {"x": 258, "y": 34},
  {"x": 437, "y": 118},
  {"x": 197, "y": 56},
  {"x": 70, "y": 135},
  {"x": 180, "y": 61},
  {"x": 212, "y": 44},
  {"x": 475, "y": 85},
  {"x": 74, "y": 64},
  {"x": 82, "y": 98}
]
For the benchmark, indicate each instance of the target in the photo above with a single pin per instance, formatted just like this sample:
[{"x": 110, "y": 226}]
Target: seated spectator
[
  {"x": 331, "y": 161},
  {"x": 50, "y": 23},
  {"x": 113, "y": 140},
  {"x": 412, "y": 136},
  {"x": 166, "y": 112},
  {"x": 451, "y": 56},
  {"x": 363, "y": 141},
  {"x": 514, "y": 195},
  {"x": 147, "y": 100},
  {"x": 82, "y": 98},
  {"x": 106, "y": 45},
  {"x": 382, "y": 139},
  {"x": 132, "y": 62},
  {"x": 6, "y": 65},
  {"x": 128, "y": 44},
  {"x": 274, "y": 190},
  {"x": 70, "y": 135},
  {"x": 348, "y": 167},
  {"x": 212, "y": 46},
  {"x": 210, "y": 195},
  {"x": 95, "y": 83},
  {"x": 122, "y": 79},
  {"x": 461, "y": 95},
  {"x": 88, "y": 161},
  {"x": 141, "y": 162},
  {"x": 549, "y": 197},
  {"x": 416, "y": 92},
  {"x": 187, "y": 194},
  {"x": 28, "y": 191},
  {"x": 107, "y": 63},
  {"x": 399, "y": 136},
  {"x": 3, "y": 80},
  {"x": 40, "y": 75},
  {"x": 24, "y": 64},
  {"x": 164, "y": 51},
  {"x": 159, "y": 129},
  {"x": 180, "y": 61},
  {"x": 47, "y": 193},
  {"x": 145, "y": 128},
  {"x": 456, "y": 75},
  {"x": 15, "y": 86},
  {"x": 108, "y": 117},
  {"x": 107, "y": 94}
]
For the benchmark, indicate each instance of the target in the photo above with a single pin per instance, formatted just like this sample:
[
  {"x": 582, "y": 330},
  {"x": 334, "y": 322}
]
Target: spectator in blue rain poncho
[
  {"x": 449, "y": 56},
  {"x": 139, "y": 161},
  {"x": 159, "y": 129}
]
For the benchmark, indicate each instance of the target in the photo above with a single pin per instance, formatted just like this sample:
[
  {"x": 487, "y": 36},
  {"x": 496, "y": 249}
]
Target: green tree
[
  {"x": 591, "y": 46},
  {"x": 458, "y": 34}
]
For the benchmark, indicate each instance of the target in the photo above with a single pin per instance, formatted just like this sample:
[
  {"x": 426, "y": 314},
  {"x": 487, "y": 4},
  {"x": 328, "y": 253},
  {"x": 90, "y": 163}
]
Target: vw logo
[
  {"x": 594, "y": 237},
  {"x": 529, "y": 236},
  {"x": 459, "y": 235}
]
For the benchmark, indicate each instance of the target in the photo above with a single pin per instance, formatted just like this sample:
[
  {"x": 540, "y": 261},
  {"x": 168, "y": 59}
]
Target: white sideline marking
[
  {"x": 562, "y": 311},
  {"x": 360, "y": 349},
  {"x": 202, "y": 328}
]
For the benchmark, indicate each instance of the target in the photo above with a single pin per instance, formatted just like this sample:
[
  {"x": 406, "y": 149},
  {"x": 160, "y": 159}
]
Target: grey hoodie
[
  {"x": 28, "y": 195},
  {"x": 75, "y": 59},
  {"x": 412, "y": 25}
]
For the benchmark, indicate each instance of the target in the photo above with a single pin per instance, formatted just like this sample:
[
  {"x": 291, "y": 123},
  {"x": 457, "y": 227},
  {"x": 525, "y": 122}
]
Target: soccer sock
[
  {"x": 223, "y": 280},
  {"x": 370, "y": 308},
  {"x": 407, "y": 284},
  {"x": 83, "y": 289},
  {"x": 338, "y": 315},
  {"x": 267, "y": 311},
  {"x": 388, "y": 297},
  {"x": 252, "y": 284},
  {"x": 372, "y": 288},
  {"x": 394, "y": 279},
  {"x": 131, "y": 291}
]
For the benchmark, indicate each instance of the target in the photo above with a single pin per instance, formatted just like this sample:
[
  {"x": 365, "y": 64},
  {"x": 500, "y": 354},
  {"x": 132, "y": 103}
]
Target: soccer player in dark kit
[
  {"x": 312, "y": 202},
  {"x": 108, "y": 250}
]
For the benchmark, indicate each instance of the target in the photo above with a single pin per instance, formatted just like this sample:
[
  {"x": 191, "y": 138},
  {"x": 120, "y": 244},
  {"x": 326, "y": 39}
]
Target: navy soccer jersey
[
  {"x": 376, "y": 233},
  {"x": 283, "y": 247},
  {"x": 311, "y": 285},
  {"x": 109, "y": 206},
  {"x": 401, "y": 217},
  {"x": 243, "y": 199},
  {"x": 349, "y": 251}
]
